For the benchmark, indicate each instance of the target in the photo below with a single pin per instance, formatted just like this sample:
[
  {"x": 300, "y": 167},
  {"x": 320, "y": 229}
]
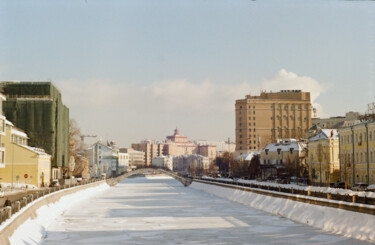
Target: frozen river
[{"x": 162, "y": 211}]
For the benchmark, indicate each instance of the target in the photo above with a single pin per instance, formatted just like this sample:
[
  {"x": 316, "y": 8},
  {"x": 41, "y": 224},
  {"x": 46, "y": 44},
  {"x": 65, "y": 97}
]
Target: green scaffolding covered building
[{"x": 37, "y": 108}]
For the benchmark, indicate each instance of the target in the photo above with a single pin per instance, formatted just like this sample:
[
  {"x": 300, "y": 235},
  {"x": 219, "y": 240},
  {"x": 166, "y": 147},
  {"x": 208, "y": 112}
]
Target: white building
[
  {"x": 221, "y": 146},
  {"x": 123, "y": 162},
  {"x": 183, "y": 163},
  {"x": 163, "y": 162},
  {"x": 103, "y": 160}
]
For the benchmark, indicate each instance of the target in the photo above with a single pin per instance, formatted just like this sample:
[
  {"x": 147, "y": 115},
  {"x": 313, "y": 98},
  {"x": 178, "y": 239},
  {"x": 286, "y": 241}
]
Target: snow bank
[
  {"x": 32, "y": 230},
  {"x": 338, "y": 221},
  {"x": 301, "y": 187}
]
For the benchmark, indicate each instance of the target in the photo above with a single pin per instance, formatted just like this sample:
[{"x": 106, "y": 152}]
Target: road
[{"x": 162, "y": 211}]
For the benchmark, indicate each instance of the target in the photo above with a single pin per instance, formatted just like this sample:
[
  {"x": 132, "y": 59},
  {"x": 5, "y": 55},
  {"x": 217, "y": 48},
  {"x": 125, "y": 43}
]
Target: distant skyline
[{"x": 130, "y": 70}]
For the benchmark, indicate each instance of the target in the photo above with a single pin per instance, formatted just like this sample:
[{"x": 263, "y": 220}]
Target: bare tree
[{"x": 77, "y": 150}]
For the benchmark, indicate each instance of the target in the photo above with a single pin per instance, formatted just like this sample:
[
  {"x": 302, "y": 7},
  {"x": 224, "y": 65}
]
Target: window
[
  {"x": 285, "y": 107},
  {"x": 240, "y": 106},
  {"x": 240, "y": 130},
  {"x": 240, "y": 112},
  {"x": 370, "y": 136},
  {"x": 240, "y": 135},
  {"x": 240, "y": 118},
  {"x": 240, "y": 141},
  {"x": 253, "y": 106},
  {"x": 255, "y": 136},
  {"x": 255, "y": 142},
  {"x": 253, "y": 112},
  {"x": 253, "y": 124},
  {"x": 272, "y": 107},
  {"x": 299, "y": 107},
  {"x": 249, "y": 129},
  {"x": 254, "y": 129},
  {"x": 271, "y": 118},
  {"x": 253, "y": 118},
  {"x": 249, "y": 118}
]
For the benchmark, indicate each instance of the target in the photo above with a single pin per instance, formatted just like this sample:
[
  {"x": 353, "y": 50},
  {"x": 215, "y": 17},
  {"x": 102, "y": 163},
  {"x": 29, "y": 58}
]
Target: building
[
  {"x": 123, "y": 162},
  {"x": 103, "y": 160},
  {"x": 136, "y": 158},
  {"x": 323, "y": 157},
  {"x": 23, "y": 164},
  {"x": 37, "y": 108},
  {"x": 163, "y": 162},
  {"x": 150, "y": 148},
  {"x": 271, "y": 116},
  {"x": 349, "y": 119},
  {"x": 357, "y": 153},
  {"x": 191, "y": 163},
  {"x": 174, "y": 145},
  {"x": 275, "y": 158},
  {"x": 221, "y": 146}
]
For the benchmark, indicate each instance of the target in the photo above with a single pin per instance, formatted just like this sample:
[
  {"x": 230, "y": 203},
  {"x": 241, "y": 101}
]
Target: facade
[
  {"x": 323, "y": 157},
  {"x": 174, "y": 145},
  {"x": 271, "y": 116},
  {"x": 221, "y": 146},
  {"x": 136, "y": 158},
  {"x": 349, "y": 119},
  {"x": 357, "y": 153},
  {"x": 150, "y": 148},
  {"x": 37, "y": 108},
  {"x": 103, "y": 160},
  {"x": 186, "y": 163},
  {"x": 275, "y": 156},
  {"x": 123, "y": 162},
  {"x": 2, "y": 132},
  {"x": 21, "y": 160},
  {"x": 163, "y": 162}
]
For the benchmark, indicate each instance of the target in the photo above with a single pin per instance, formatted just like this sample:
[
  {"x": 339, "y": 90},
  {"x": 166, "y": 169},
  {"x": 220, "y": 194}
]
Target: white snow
[
  {"x": 346, "y": 223},
  {"x": 32, "y": 230},
  {"x": 303, "y": 187}
]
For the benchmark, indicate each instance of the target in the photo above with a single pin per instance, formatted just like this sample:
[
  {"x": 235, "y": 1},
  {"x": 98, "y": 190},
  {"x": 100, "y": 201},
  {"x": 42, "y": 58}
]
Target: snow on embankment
[
  {"x": 32, "y": 230},
  {"x": 339, "y": 221}
]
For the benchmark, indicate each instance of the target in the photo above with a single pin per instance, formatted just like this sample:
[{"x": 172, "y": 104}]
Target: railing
[
  {"x": 7, "y": 212},
  {"x": 308, "y": 193}
]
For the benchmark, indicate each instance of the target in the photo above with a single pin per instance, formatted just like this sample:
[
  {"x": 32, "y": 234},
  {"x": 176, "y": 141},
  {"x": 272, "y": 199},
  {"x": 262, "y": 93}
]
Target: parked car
[
  {"x": 339, "y": 185},
  {"x": 371, "y": 188},
  {"x": 359, "y": 187},
  {"x": 54, "y": 183}
]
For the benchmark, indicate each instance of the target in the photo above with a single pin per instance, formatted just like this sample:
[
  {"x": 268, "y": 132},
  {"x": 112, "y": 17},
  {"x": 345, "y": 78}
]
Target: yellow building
[
  {"x": 323, "y": 157},
  {"x": 357, "y": 153},
  {"x": 271, "y": 116},
  {"x": 22, "y": 160}
]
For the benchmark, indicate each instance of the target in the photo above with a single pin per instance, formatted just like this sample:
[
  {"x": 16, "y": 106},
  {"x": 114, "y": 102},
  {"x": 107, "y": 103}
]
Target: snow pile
[
  {"x": 299, "y": 187},
  {"x": 338, "y": 221},
  {"x": 32, "y": 230}
]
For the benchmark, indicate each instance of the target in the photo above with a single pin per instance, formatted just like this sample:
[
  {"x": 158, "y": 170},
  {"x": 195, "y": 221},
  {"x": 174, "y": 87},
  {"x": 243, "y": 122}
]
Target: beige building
[
  {"x": 349, "y": 119},
  {"x": 357, "y": 153},
  {"x": 264, "y": 119},
  {"x": 23, "y": 164},
  {"x": 174, "y": 145},
  {"x": 323, "y": 157},
  {"x": 136, "y": 158},
  {"x": 150, "y": 149}
]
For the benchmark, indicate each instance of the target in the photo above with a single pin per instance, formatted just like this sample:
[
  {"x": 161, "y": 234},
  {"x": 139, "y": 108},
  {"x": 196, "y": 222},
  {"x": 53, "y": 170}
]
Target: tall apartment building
[
  {"x": 37, "y": 108},
  {"x": 150, "y": 148},
  {"x": 272, "y": 115}
]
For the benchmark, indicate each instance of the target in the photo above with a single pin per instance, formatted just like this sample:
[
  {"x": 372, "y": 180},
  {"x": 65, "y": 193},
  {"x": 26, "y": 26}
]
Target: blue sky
[{"x": 130, "y": 70}]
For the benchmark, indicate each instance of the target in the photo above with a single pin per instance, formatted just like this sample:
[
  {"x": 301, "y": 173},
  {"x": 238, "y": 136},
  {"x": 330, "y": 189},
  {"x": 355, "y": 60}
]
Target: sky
[{"x": 131, "y": 70}]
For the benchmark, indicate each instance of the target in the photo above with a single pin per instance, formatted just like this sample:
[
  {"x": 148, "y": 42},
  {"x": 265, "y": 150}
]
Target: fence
[
  {"x": 17, "y": 205},
  {"x": 345, "y": 201}
]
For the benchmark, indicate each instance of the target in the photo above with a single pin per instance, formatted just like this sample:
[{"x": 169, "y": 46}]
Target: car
[
  {"x": 359, "y": 187},
  {"x": 371, "y": 188},
  {"x": 339, "y": 185},
  {"x": 54, "y": 183}
]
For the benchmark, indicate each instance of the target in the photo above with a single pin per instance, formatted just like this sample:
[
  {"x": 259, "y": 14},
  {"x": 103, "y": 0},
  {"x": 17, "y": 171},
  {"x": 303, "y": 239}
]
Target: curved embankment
[
  {"x": 338, "y": 221},
  {"x": 30, "y": 222}
]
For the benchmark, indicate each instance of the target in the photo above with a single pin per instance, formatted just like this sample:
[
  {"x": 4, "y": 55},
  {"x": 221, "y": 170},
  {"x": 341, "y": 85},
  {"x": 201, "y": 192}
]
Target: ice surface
[{"x": 162, "y": 211}]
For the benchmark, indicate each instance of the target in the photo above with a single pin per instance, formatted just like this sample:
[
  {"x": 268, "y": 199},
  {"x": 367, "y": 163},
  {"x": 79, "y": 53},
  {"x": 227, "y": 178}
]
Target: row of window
[
  {"x": 285, "y": 118},
  {"x": 248, "y": 107},
  {"x": 291, "y": 107},
  {"x": 249, "y": 118},
  {"x": 360, "y": 157},
  {"x": 250, "y": 147},
  {"x": 359, "y": 138},
  {"x": 249, "y": 124},
  {"x": 249, "y": 112}
]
